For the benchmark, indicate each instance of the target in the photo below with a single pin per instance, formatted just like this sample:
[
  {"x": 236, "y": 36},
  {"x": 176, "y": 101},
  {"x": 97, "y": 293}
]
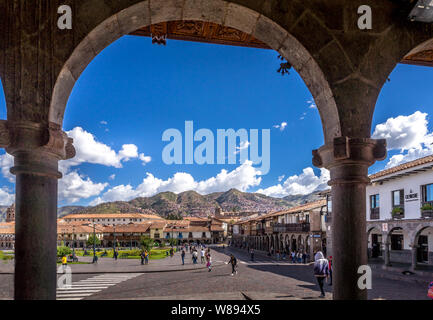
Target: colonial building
[
  {"x": 400, "y": 213},
  {"x": 301, "y": 228},
  {"x": 77, "y": 233},
  {"x": 111, "y": 218},
  {"x": 194, "y": 229}
]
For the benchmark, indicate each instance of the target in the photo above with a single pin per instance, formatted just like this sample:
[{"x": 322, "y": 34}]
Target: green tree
[
  {"x": 172, "y": 242},
  {"x": 93, "y": 240},
  {"x": 146, "y": 243},
  {"x": 63, "y": 251}
]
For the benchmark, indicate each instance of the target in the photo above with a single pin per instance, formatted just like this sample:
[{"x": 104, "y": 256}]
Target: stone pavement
[{"x": 263, "y": 279}]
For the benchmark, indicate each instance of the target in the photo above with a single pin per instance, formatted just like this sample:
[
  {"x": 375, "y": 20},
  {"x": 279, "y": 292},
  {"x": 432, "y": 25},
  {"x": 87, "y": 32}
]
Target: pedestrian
[
  {"x": 234, "y": 263},
  {"x": 142, "y": 257},
  {"x": 202, "y": 253},
  {"x": 183, "y": 256},
  {"x": 146, "y": 257},
  {"x": 209, "y": 262},
  {"x": 278, "y": 254},
  {"x": 299, "y": 257},
  {"x": 293, "y": 257},
  {"x": 321, "y": 270},
  {"x": 304, "y": 257},
  {"x": 115, "y": 253},
  {"x": 194, "y": 256},
  {"x": 171, "y": 252},
  {"x": 330, "y": 270},
  {"x": 64, "y": 262},
  {"x": 252, "y": 254}
]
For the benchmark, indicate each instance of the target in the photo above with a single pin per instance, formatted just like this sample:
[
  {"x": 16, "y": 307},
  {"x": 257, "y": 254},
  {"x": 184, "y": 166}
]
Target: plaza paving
[{"x": 262, "y": 279}]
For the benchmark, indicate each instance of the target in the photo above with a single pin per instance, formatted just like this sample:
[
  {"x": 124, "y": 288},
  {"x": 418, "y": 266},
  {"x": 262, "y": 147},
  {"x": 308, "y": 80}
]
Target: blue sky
[{"x": 133, "y": 91}]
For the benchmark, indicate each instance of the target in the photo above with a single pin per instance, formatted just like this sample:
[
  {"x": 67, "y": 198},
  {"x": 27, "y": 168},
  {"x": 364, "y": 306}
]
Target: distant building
[{"x": 111, "y": 218}]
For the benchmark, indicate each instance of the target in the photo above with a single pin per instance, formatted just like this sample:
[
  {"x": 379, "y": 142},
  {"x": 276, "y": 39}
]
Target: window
[
  {"x": 374, "y": 201},
  {"x": 427, "y": 192},
  {"x": 398, "y": 198}
]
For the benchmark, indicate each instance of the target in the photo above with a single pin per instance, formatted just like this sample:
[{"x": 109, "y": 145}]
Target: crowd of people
[{"x": 205, "y": 255}]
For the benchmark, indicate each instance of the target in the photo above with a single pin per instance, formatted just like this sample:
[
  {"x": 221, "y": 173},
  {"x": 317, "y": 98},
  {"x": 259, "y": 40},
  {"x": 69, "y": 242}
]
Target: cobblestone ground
[{"x": 263, "y": 279}]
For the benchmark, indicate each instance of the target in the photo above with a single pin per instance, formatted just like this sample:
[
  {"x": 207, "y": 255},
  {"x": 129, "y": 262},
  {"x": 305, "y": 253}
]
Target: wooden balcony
[
  {"x": 291, "y": 227},
  {"x": 374, "y": 213}
]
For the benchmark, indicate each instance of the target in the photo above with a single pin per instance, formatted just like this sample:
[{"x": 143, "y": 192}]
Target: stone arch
[{"x": 217, "y": 11}]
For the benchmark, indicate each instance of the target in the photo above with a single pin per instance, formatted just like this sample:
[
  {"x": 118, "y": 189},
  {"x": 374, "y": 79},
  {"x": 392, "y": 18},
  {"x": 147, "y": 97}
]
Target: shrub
[
  {"x": 427, "y": 206},
  {"x": 63, "y": 251}
]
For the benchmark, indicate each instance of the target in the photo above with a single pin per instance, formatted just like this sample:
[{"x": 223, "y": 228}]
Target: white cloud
[
  {"x": 242, "y": 178},
  {"x": 304, "y": 183},
  {"x": 243, "y": 145},
  {"x": 281, "y": 126},
  {"x": 280, "y": 178},
  {"x": 6, "y": 197},
  {"x": 7, "y": 162},
  {"x": 311, "y": 104},
  {"x": 145, "y": 159},
  {"x": 112, "y": 177},
  {"x": 104, "y": 123},
  {"x": 91, "y": 151},
  {"x": 408, "y": 134},
  {"x": 73, "y": 187}
]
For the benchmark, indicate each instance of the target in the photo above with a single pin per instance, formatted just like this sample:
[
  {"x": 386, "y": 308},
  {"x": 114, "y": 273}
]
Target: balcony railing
[
  {"x": 398, "y": 214},
  {"x": 291, "y": 227},
  {"x": 268, "y": 230},
  {"x": 374, "y": 213}
]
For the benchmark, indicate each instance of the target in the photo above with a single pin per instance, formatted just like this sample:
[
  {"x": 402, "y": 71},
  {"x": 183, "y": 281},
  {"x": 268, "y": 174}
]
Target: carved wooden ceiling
[{"x": 200, "y": 31}]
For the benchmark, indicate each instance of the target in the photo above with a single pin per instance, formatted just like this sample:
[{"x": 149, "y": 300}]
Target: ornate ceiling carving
[{"x": 209, "y": 32}]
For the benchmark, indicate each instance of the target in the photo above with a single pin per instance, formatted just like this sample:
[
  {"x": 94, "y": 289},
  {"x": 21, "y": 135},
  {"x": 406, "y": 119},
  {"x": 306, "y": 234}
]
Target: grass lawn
[{"x": 127, "y": 254}]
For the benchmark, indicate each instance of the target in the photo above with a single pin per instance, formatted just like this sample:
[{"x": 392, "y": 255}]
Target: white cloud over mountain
[
  {"x": 241, "y": 178},
  {"x": 304, "y": 183},
  {"x": 408, "y": 134}
]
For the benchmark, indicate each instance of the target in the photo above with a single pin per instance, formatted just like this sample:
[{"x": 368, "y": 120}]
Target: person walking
[
  {"x": 330, "y": 270},
  {"x": 64, "y": 262},
  {"x": 321, "y": 270},
  {"x": 278, "y": 255},
  {"x": 202, "y": 254},
  {"x": 146, "y": 257},
  {"x": 142, "y": 257},
  {"x": 304, "y": 257},
  {"x": 171, "y": 252},
  {"x": 183, "y": 256},
  {"x": 209, "y": 261},
  {"x": 194, "y": 256},
  {"x": 234, "y": 263},
  {"x": 293, "y": 257},
  {"x": 115, "y": 253},
  {"x": 252, "y": 254}
]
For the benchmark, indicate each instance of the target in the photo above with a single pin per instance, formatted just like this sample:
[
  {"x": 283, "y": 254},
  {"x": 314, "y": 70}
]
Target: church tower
[{"x": 10, "y": 213}]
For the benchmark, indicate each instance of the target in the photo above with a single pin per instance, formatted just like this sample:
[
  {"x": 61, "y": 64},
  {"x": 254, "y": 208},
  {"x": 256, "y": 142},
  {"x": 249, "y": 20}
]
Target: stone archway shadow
[{"x": 150, "y": 12}]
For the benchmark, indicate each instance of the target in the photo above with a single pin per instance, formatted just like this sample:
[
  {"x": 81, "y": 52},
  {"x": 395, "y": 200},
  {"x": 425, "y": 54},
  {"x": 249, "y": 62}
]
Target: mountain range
[{"x": 191, "y": 203}]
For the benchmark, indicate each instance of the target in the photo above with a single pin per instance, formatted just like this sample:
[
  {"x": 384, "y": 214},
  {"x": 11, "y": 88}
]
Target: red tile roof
[{"x": 404, "y": 166}]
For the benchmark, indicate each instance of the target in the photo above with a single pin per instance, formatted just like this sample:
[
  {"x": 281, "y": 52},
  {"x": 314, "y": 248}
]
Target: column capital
[
  {"x": 37, "y": 147},
  {"x": 348, "y": 159}
]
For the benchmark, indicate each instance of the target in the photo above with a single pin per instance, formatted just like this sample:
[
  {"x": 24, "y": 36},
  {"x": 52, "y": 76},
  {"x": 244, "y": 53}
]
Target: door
[{"x": 422, "y": 254}]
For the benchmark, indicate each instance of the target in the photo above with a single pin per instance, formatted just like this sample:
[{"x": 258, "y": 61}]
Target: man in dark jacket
[{"x": 233, "y": 262}]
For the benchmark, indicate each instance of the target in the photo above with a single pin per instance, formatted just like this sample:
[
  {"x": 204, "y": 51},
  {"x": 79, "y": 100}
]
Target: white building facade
[{"x": 399, "y": 204}]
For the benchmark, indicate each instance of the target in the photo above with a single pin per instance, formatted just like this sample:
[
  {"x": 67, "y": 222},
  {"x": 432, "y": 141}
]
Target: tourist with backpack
[
  {"x": 234, "y": 263},
  {"x": 321, "y": 270}
]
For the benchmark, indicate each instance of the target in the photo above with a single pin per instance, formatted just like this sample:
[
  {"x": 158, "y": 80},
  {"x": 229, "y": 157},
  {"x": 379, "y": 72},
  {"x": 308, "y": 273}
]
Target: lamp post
[
  {"x": 94, "y": 242},
  {"x": 114, "y": 243},
  {"x": 73, "y": 241}
]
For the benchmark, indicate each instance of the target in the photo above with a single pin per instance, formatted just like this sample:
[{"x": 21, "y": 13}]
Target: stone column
[
  {"x": 387, "y": 254},
  {"x": 36, "y": 149},
  {"x": 348, "y": 160},
  {"x": 414, "y": 257}
]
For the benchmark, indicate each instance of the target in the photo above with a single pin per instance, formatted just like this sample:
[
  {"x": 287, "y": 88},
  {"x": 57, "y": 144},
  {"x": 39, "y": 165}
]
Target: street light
[{"x": 94, "y": 242}]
